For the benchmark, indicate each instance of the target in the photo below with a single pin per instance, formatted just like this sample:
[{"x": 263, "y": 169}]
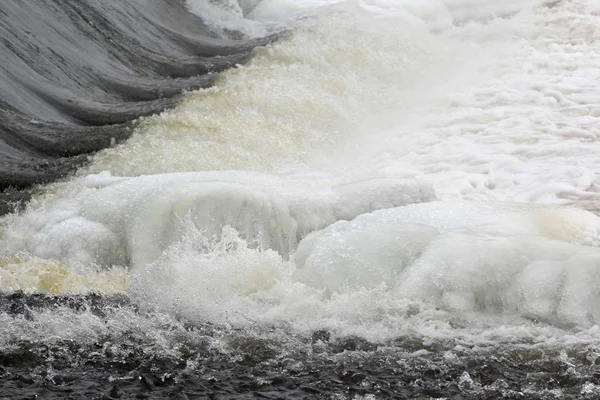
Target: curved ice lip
[{"x": 131, "y": 221}]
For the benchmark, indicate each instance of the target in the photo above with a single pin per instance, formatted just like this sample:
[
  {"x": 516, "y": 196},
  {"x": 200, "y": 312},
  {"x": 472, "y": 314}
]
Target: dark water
[
  {"x": 194, "y": 359},
  {"x": 75, "y": 73}
]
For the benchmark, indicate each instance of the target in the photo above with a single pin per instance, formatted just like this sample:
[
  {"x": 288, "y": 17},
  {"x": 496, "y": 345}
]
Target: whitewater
[{"x": 419, "y": 176}]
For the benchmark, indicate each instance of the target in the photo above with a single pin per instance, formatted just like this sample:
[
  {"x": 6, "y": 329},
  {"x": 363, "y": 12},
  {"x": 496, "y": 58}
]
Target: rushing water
[{"x": 396, "y": 198}]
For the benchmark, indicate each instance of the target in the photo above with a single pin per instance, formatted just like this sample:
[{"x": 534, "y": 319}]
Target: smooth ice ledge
[{"x": 537, "y": 260}]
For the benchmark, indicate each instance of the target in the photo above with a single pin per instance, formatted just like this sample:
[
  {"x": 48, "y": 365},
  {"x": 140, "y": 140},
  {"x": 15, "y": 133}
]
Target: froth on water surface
[{"x": 386, "y": 202}]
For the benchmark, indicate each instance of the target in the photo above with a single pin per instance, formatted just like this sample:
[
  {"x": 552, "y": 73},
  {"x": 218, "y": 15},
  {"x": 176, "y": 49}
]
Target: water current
[{"x": 356, "y": 199}]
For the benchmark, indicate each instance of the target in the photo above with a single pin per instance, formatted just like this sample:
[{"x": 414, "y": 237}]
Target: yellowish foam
[{"x": 32, "y": 274}]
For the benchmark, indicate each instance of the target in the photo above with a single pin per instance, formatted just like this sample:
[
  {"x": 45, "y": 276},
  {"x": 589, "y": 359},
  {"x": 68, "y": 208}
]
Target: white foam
[
  {"x": 435, "y": 14},
  {"x": 226, "y": 16},
  {"x": 349, "y": 92}
]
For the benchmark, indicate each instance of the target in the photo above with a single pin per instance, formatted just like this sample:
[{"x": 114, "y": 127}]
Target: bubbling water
[{"x": 290, "y": 193}]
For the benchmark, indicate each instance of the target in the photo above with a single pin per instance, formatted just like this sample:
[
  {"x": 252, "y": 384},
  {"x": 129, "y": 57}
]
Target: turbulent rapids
[
  {"x": 75, "y": 73},
  {"x": 337, "y": 199}
]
